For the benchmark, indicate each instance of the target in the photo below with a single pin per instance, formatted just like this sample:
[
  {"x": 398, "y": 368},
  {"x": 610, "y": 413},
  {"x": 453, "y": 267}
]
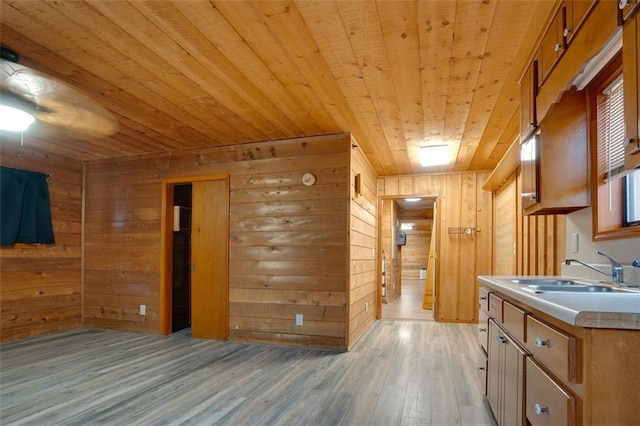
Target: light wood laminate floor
[
  {"x": 408, "y": 306},
  {"x": 399, "y": 373}
]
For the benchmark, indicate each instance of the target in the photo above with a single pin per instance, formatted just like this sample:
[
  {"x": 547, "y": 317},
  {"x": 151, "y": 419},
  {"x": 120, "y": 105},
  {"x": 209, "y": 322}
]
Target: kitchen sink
[
  {"x": 543, "y": 281},
  {"x": 559, "y": 285},
  {"x": 577, "y": 288}
]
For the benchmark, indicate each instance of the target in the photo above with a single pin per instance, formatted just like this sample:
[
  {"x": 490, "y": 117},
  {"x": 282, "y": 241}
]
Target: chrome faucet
[{"x": 617, "y": 273}]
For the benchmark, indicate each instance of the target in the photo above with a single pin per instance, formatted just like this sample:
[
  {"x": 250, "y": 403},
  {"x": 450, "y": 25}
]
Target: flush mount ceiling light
[
  {"x": 412, "y": 200},
  {"x": 14, "y": 119},
  {"x": 434, "y": 155}
]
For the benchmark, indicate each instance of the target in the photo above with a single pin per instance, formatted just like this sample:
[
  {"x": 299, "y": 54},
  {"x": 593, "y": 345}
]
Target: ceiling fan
[{"x": 49, "y": 100}]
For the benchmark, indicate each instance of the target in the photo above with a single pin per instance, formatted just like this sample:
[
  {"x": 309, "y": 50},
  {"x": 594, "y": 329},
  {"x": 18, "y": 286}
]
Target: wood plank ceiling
[{"x": 189, "y": 74}]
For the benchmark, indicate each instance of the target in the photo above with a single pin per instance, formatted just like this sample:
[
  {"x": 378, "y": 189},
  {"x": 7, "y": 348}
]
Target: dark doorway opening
[{"x": 181, "y": 279}]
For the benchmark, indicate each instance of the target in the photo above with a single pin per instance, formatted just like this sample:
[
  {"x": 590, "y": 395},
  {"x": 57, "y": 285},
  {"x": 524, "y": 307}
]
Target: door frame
[
  {"x": 166, "y": 243},
  {"x": 436, "y": 230}
]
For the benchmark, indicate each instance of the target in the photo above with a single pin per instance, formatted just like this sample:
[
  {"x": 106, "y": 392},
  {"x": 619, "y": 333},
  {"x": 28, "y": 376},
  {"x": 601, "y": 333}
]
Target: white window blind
[{"x": 611, "y": 130}]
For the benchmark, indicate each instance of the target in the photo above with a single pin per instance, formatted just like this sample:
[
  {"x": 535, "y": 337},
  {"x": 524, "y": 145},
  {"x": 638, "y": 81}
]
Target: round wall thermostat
[{"x": 308, "y": 179}]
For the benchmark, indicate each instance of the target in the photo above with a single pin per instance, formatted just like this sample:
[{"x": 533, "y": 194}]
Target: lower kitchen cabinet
[
  {"x": 543, "y": 371},
  {"x": 547, "y": 402},
  {"x": 505, "y": 377}
]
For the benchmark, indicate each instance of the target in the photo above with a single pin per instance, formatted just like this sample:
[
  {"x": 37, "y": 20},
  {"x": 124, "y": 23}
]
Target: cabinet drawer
[
  {"x": 495, "y": 307},
  {"x": 483, "y": 327},
  {"x": 552, "y": 348},
  {"x": 513, "y": 320},
  {"x": 547, "y": 402},
  {"x": 483, "y": 295}
]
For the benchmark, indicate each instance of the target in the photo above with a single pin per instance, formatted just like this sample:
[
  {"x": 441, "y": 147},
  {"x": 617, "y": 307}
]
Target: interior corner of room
[{"x": 310, "y": 174}]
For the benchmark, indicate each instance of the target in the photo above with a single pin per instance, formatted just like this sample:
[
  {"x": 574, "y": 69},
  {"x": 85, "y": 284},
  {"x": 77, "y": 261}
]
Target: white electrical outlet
[
  {"x": 143, "y": 309},
  {"x": 574, "y": 242},
  {"x": 299, "y": 319}
]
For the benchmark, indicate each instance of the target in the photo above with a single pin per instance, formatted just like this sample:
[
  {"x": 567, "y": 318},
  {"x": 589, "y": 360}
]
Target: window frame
[{"x": 606, "y": 225}]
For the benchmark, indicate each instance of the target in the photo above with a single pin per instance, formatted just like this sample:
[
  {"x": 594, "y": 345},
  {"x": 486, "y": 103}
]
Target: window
[
  {"x": 606, "y": 112},
  {"x": 611, "y": 130}
]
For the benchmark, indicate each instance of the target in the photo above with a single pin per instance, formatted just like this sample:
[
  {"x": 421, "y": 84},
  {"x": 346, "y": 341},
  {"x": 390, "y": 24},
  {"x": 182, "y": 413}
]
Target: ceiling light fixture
[
  {"x": 434, "y": 155},
  {"x": 14, "y": 119},
  {"x": 412, "y": 200}
]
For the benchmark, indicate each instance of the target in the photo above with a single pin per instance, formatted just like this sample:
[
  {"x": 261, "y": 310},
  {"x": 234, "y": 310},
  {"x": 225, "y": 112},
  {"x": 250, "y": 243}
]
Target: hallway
[{"x": 408, "y": 306}]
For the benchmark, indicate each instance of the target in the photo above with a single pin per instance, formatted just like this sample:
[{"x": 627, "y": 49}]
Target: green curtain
[{"x": 25, "y": 212}]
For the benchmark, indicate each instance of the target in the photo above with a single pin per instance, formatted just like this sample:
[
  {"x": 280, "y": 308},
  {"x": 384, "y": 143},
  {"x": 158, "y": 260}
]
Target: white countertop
[{"x": 595, "y": 310}]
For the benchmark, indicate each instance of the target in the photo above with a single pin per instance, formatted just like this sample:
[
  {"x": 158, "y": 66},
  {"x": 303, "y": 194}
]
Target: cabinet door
[
  {"x": 575, "y": 12},
  {"x": 551, "y": 47},
  {"x": 513, "y": 397},
  {"x": 628, "y": 7},
  {"x": 528, "y": 89},
  {"x": 547, "y": 402},
  {"x": 494, "y": 370},
  {"x": 529, "y": 163},
  {"x": 631, "y": 74}
]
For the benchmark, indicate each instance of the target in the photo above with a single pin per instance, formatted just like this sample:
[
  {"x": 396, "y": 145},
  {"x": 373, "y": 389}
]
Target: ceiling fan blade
[{"x": 52, "y": 101}]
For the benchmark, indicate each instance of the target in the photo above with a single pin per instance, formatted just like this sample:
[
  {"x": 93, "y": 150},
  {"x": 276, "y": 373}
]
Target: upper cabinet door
[
  {"x": 528, "y": 87},
  {"x": 631, "y": 73},
  {"x": 551, "y": 47},
  {"x": 628, "y": 7},
  {"x": 575, "y": 13}
]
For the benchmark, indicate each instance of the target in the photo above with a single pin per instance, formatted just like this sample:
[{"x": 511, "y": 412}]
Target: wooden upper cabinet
[
  {"x": 631, "y": 74},
  {"x": 575, "y": 12},
  {"x": 628, "y": 7},
  {"x": 562, "y": 159},
  {"x": 552, "y": 46},
  {"x": 528, "y": 87}
]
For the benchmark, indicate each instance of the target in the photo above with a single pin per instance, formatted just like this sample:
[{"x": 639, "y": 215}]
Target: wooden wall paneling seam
[{"x": 363, "y": 247}]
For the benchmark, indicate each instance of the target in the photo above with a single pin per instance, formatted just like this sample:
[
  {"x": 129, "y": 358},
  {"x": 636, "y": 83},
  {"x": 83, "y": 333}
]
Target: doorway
[
  {"x": 195, "y": 241},
  {"x": 407, "y": 247},
  {"x": 181, "y": 265}
]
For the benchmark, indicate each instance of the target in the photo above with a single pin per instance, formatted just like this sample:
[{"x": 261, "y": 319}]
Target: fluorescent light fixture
[
  {"x": 406, "y": 226},
  {"x": 412, "y": 200},
  {"x": 434, "y": 155},
  {"x": 14, "y": 119}
]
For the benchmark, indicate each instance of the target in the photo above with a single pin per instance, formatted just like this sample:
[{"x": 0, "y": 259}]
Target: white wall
[{"x": 623, "y": 251}]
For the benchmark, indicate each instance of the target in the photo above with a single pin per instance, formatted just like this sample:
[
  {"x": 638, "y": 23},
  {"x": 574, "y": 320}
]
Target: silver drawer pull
[
  {"x": 483, "y": 297},
  {"x": 540, "y": 343},
  {"x": 482, "y": 330},
  {"x": 539, "y": 409}
]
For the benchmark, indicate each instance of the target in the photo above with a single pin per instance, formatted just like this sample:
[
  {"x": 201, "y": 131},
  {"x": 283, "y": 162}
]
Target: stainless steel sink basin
[
  {"x": 557, "y": 285},
  {"x": 543, "y": 281},
  {"x": 574, "y": 288}
]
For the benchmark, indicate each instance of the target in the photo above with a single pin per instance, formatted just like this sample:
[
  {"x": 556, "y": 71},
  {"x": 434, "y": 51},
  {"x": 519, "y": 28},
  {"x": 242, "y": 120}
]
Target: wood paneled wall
[
  {"x": 41, "y": 288},
  {"x": 363, "y": 241},
  {"x": 390, "y": 253},
  {"x": 462, "y": 203},
  {"x": 288, "y": 251},
  {"x": 506, "y": 220},
  {"x": 539, "y": 241}
]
